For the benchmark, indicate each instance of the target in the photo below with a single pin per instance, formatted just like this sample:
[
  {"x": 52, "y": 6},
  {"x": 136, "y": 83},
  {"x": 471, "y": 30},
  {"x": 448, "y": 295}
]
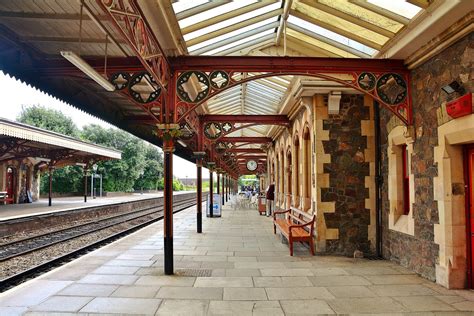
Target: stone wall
[
  {"x": 420, "y": 252},
  {"x": 347, "y": 172}
]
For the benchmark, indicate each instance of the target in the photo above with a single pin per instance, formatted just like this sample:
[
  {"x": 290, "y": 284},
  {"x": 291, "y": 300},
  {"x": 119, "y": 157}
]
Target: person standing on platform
[{"x": 270, "y": 196}]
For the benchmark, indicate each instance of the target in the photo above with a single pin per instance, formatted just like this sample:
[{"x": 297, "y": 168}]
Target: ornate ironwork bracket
[{"x": 129, "y": 21}]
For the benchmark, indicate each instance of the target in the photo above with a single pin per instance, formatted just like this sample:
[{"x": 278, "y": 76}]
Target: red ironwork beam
[
  {"x": 256, "y": 157},
  {"x": 62, "y": 67},
  {"x": 246, "y": 150},
  {"x": 243, "y": 163},
  {"x": 141, "y": 119},
  {"x": 287, "y": 64},
  {"x": 260, "y": 119},
  {"x": 243, "y": 139}
]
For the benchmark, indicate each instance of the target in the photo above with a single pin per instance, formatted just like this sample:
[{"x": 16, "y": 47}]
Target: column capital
[
  {"x": 168, "y": 145},
  {"x": 211, "y": 166}
]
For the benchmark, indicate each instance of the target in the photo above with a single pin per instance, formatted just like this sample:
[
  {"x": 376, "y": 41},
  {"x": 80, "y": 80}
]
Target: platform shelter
[
  {"x": 358, "y": 112},
  {"x": 27, "y": 153}
]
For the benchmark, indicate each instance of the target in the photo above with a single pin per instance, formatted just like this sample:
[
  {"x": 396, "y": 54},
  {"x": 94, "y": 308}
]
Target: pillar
[
  {"x": 227, "y": 188},
  {"x": 168, "y": 206},
  {"x": 85, "y": 184},
  {"x": 50, "y": 185},
  {"x": 199, "y": 195},
  {"x": 218, "y": 182},
  {"x": 223, "y": 189},
  {"x": 211, "y": 191}
]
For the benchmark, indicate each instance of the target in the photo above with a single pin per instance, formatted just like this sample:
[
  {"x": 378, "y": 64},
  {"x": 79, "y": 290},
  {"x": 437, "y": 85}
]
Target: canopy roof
[
  {"x": 32, "y": 34},
  {"x": 22, "y": 141},
  {"x": 323, "y": 28}
]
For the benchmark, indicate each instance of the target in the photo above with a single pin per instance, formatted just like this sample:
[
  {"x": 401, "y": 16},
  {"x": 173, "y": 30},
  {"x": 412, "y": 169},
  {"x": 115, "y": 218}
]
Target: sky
[{"x": 16, "y": 95}]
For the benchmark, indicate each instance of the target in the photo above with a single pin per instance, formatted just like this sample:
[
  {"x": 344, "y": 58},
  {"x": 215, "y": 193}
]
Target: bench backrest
[{"x": 299, "y": 217}]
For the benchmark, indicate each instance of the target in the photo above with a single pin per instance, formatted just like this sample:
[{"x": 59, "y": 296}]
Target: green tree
[
  {"x": 141, "y": 165},
  {"x": 119, "y": 175},
  {"x": 49, "y": 119},
  {"x": 177, "y": 185},
  {"x": 152, "y": 172},
  {"x": 66, "y": 179}
]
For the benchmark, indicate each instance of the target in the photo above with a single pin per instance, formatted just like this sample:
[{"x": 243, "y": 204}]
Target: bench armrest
[{"x": 279, "y": 212}]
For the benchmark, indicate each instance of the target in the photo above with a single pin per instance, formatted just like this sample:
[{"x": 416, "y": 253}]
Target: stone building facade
[
  {"x": 324, "y": 164},
  {"x": 339, "y": 172},
  {"x": 436, "y": 245}
]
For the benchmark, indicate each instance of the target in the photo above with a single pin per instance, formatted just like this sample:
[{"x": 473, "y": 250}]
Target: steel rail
[
  {"x": 75, "y": 232},
  {"x": 20, "y": 277}
]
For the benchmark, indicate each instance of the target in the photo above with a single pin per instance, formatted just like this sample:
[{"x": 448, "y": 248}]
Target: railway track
[{"x": 18, "y": 249}]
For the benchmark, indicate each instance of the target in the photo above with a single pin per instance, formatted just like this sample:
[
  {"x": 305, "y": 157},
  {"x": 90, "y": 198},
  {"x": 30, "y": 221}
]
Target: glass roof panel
[
  {"x": 242, "y": 41},
  {"x": 180, "y": 6},
  {"x": 232, "y": 21},
  {"x": 319, "y": 44},
  {"x": 283, "y": 79},
  {"x": 400, "y": 7},
  {"x": 230, "y": 34},
  {"x": 340, "y": 23},
  {"x": 209, "y": 14},
  {"x": 364, "y": 14},
  {"x": 331, "y": 35}
]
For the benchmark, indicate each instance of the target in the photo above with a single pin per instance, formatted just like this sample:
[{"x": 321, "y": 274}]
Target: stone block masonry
[
  {"x": 347, "y": 172},
  {"x": 421, "y": 252}
]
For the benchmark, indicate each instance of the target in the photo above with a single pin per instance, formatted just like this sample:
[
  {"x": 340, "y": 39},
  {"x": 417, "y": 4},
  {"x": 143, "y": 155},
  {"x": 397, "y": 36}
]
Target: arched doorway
[
  {"x": 306, "y": 169},
  {"x": 282, "y": 179},
  {"x": 289, "y": 178},
  {"x": 296, "y": 172}
]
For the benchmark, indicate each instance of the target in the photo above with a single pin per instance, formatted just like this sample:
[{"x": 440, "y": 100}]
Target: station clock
[{"x": 252, "y": 165}]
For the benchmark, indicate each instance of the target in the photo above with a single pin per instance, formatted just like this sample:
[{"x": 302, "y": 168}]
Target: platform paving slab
[{"x": 236, "y": 267}]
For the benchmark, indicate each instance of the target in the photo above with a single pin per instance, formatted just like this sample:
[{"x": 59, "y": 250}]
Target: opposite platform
[
  {"x": 41, "y": 207},
  {"x": 237, "y": 266}
]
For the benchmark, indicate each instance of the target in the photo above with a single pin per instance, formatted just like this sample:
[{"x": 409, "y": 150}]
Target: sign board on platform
[{"x": 216, "y": 206}]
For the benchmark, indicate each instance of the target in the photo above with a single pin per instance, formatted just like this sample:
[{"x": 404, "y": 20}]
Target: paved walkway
[{"x": 251, "y": 273}]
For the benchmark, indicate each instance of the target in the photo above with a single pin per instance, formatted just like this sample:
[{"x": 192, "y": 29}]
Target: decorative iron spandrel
[{"x": 391, "y": 90}]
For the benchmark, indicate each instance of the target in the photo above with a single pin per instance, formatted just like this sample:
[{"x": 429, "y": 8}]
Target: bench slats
[{"x": 296, "y": 226}]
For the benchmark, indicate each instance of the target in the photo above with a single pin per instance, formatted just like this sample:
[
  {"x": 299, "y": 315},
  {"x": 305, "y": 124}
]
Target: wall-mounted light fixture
[{"x": 453, "y": 87}]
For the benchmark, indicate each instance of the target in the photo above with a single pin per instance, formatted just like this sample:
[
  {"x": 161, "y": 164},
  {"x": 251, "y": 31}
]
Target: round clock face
[{"x": 251, "y": 165}]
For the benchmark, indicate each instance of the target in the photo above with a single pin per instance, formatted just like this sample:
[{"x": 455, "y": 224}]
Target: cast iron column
[
  {"x": 50, "y": 184},
  {"x": 223, "y": 188},
  {"x": 218, "y": 182},
  {"x": 224, "y": 185},
  {"x": 85, "y": 184},
  {"x": 211, "y": 192},
  {"x": 199, "y": 195},
  {"x": 168, "y": 203}
]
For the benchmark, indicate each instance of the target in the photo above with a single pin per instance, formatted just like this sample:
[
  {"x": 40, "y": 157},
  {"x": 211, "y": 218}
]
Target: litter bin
[
  {"x": 262, "y": 204},
  {"x": 216, "y": 206}
]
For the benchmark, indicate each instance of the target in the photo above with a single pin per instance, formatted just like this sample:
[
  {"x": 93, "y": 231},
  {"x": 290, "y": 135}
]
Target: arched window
[{"x": 306, "y": 169}]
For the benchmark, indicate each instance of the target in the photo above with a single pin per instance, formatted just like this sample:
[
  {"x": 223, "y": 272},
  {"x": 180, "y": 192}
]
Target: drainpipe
[{"x": 378, "y": 184}]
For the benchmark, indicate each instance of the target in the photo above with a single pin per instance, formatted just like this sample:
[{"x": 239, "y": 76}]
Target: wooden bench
[
  {"x": 296, "y": 226},
  {"x": 4, "y": 199}
]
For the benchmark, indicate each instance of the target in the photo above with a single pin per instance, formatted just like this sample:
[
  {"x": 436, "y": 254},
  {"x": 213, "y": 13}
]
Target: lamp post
[{"x": 94, "y": 168}]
